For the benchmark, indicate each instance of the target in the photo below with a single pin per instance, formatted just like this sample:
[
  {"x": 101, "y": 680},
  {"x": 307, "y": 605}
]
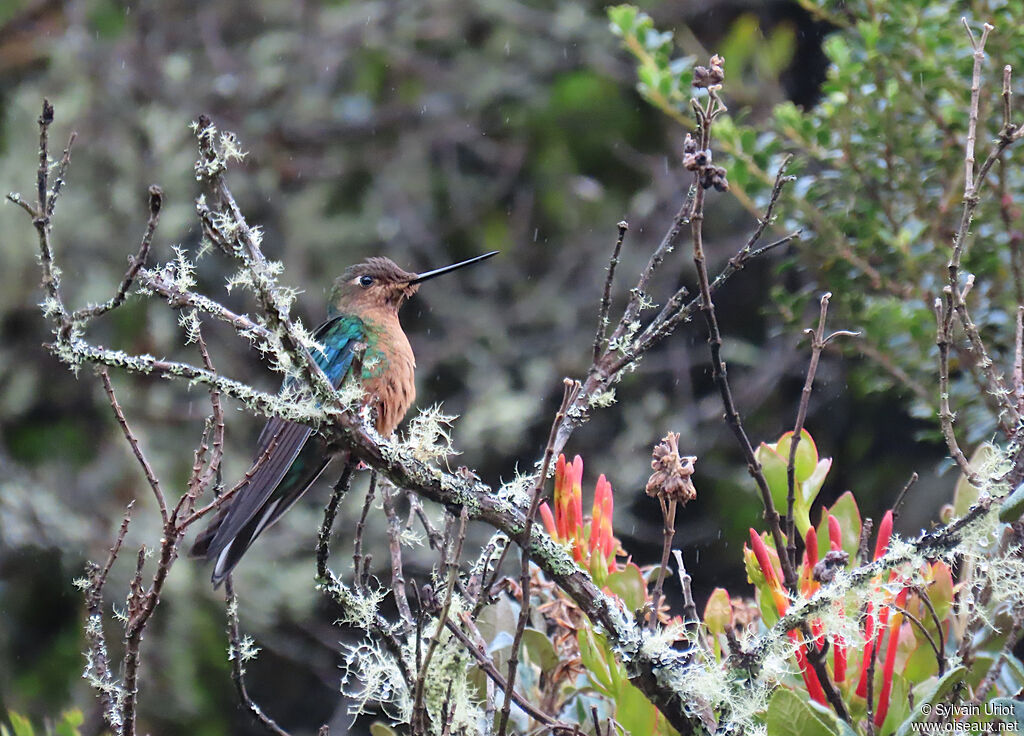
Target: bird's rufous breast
[{"x": 391, "y": 383}]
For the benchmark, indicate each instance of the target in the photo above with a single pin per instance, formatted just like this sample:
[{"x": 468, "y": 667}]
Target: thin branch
[
  {"x": 690, "y": 618},
  {"x": 818, "y": 343},
  {"x": 323, "y": 541},
  {"x": 147, "y": 469},
  {"x": 395, "y": 547},
  {"x": 898, "y": 503},
  {"x": 357, "y": 543},
  {"x": 924, "y": 630},
  {"x": 570, "y": 391},
  {"x": 668, "y": 518},
  {"x": 98, "y": 658},
  {"x": 718, "y": 368},
  {"x": 156, "y": 198},
  {"x": 972, "y": 121},
  {"x": 59, "y": 179},
  {"x": 237, "y": 654},
  {"x": 943, "y": 317},
  {"x": 606, "y": 297}
]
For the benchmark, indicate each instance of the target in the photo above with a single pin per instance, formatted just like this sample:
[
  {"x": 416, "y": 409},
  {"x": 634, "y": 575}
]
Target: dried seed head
[
  {"x": 671, "y": 478},
  {"x": 708, "y": 76},
  {"x": 715, "y": 176},
  {"x": 689, "y": 144}
]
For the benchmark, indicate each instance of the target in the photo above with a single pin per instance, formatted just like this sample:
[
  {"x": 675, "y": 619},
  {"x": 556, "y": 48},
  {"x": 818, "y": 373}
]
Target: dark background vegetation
[{"x": 429, "y": 131}]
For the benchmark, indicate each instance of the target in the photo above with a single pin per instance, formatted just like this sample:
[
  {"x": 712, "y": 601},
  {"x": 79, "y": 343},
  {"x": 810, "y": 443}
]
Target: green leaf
[
  {"x": 806, "y": 454},
  {"x": 623, "y": 18},
  {"x": 927, "y": 694},
  {"x": 1011, "y": 509},
  {"x": 789, "y": 714},
  {"x": 381, "y": 729},
  {"x": 718, "y": 611},
  {"x": 774, "y": 467},
  {"x": 21, "y": 725},
  {"x": 628, "y": 584},
  {"x": 965, "y": 495},
  {"x": 595, "y": 657},
  {"x": 540, "y": 649},
  {"x": 634, "y": 711}
]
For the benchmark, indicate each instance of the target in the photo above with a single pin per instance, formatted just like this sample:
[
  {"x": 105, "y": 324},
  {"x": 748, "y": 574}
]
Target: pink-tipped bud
[
  {"x": 835, "y": 534},
  {"x": 603, "y": 510},
  {"x": 562, "y": 486},
  {"x": 884, "y": 534},
  {"x": 549, "y": 520}
]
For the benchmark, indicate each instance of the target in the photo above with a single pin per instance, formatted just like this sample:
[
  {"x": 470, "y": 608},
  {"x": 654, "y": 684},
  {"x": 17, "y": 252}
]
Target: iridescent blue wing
[{"x": 287, "y": 461}]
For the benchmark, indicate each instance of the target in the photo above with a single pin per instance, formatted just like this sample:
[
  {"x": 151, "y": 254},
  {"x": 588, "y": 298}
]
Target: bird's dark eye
[{"x": 365, "y": 281}]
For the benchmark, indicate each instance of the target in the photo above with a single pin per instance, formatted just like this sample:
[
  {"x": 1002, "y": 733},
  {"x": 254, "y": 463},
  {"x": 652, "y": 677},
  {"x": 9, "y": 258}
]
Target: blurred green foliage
[
  {"x": 880, "y": 181},
  {"x": 67, "y": 725}
]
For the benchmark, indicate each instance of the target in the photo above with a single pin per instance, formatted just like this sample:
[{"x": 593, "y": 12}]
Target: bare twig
[
  {"x": 357, "y": 544},
  {"x": 972, "y": 122},
  {"x": 323, "y": 542},
  {"x": 147, "y": 469},
  {"x": 818, "y": 343},
  {"x": 994, "y": 672},
  {"x": 478, "y": 649},
  {"x": 898, "y": 503},
  {"x": 156, "y": 198},
  {"x": 718, "y": 370},
  {"x": 924, "y": 630},
  {"x": 690, "y": 618},
  {"x": 943, "y": 317},
  {"x": 395, "y": 546}
]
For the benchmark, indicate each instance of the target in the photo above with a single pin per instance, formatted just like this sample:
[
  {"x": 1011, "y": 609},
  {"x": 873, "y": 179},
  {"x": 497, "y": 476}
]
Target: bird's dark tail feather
[{"x": 226, "y": 551}]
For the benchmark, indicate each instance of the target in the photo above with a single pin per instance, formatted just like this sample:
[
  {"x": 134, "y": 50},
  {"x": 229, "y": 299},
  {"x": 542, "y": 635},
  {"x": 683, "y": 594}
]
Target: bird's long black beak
[{"x": 421, "y": 277}]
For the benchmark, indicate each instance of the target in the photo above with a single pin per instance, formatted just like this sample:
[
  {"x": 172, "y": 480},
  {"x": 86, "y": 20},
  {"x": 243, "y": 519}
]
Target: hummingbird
[{"x": 362, "y": 316}]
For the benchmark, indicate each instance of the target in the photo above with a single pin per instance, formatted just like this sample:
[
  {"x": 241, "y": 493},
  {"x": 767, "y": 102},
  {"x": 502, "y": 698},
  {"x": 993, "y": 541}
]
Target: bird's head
[{"x": 378, "y": 283}]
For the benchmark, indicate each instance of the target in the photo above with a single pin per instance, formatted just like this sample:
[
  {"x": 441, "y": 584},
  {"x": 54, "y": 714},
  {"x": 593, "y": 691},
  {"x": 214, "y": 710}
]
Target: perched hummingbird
[{"x": 363, "y": 312}]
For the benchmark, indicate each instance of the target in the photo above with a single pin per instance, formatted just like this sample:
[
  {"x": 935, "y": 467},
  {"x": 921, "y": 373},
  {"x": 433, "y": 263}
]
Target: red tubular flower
[
  {"x": 890, "y": 660},
  {"x": 811, "y": 681},
  {"x": 884, "y": 534},
  {"x": 807, "y": 584},
  {"x": 839, "y": 660},
  {"x": 601, "y": 528}
]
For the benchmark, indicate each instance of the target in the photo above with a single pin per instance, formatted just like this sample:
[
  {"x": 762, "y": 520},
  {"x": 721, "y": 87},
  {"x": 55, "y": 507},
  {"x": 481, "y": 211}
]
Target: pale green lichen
[
  {"x": 245, "y": 651},
  {"x": 602, "y": 399},
  {"x": 429, "y": 436},
  {"x": 372, "y": 678}
]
